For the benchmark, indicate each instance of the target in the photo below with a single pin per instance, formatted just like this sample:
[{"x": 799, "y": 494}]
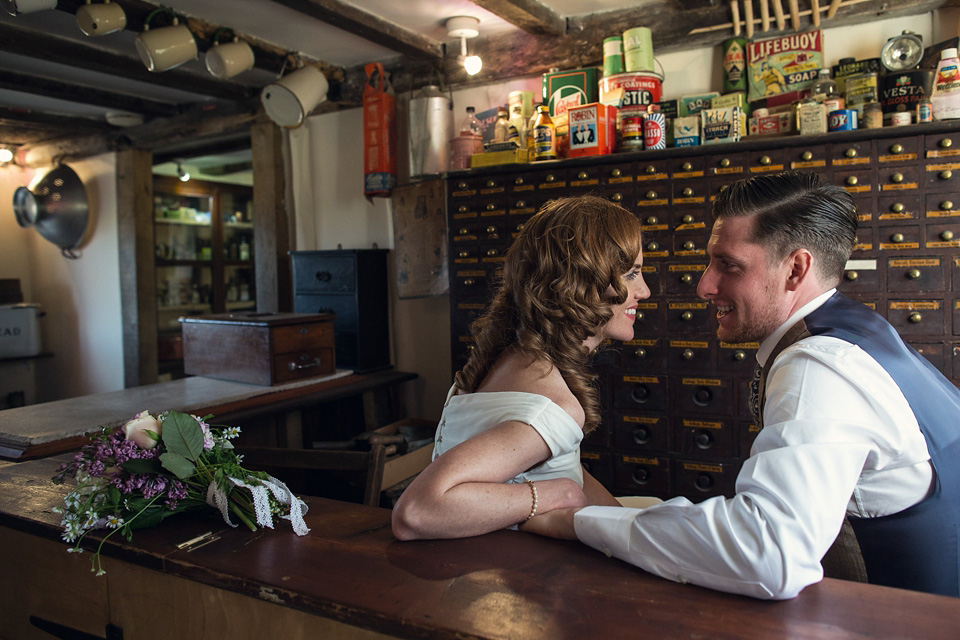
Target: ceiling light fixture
[
  {"x": 464, "y": 27},
  {"x": 6, "y": 155},
  {"x": 101, "y": 19},
  {"x": 290, "y": 99},
  {"x": 182, "y": 174},
  {"x": 16, "y": 7},
  {"x": 167, "y": 47}
]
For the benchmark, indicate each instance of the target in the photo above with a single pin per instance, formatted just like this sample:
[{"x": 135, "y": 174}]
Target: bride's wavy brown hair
[{"x": 551, "y": 296}]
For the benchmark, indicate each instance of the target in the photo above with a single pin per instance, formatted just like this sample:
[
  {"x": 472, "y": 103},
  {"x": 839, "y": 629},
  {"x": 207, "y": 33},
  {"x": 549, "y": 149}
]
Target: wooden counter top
[
  {"x": 506, "y": 584},
  {"x": 51, "y": 427}
]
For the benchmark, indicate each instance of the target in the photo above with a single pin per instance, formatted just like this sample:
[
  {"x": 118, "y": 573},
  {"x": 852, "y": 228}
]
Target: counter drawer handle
[
  {"x": 852, "y": 180},
  {"x": 897, "y": 207},
  {"x": 946, "y": 174},
  {"x": 947, "y": 205},
  {"x": 687, "y": 192},
  {"x": 915, "y": 318},
  {"x": 640, "y": 353},
  {"x": 739, "y": 355},
  {"x": 689, "y": 245},
  {"x": 897, "y": 148},
  {"x": 851, "y": 275},
  {"x": 616, "y": 173},
  {"x": 293, "y": 366},
  {"x": 896, "y": 178},
  {"x": 686, "y": 279},
  {"x": 897, "y": 238},
  {"x": 806, "y": 155},
  {"x": 946, "y": 143},
  {"x": 518, "y": 181},
  {"x": 688, "y": 354},
  {"x": 913, "y": 274},
  {"x": 725, "y": 162},
  {"x": 582, "y": 175},
  {"x": 947, "y": 235},
  {"x": 653, "y": 220},
  {"x": 653, "y": 245},
  {"x": 617, "y": 197},
  {"x": 686, "y": 316},
  {"x": 850, "y": 153}
]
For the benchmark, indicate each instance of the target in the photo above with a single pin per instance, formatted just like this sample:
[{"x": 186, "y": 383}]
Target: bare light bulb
[
  {"x": 472, "y": 65},
  {"x": 183, "y": 174},
  {"x": 6, "y": 155}
]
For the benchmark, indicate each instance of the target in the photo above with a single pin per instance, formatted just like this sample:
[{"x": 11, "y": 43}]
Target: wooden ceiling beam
[
  {"x": 60, "y": 90},
  {"x": 529, "y": 15},
  {"x": 74, "y": 53},
  {"x": 368, "y": 26}
]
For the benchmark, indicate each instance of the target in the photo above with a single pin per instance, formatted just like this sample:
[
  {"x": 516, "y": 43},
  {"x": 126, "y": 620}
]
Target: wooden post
[{"x": 274, "y": 229}]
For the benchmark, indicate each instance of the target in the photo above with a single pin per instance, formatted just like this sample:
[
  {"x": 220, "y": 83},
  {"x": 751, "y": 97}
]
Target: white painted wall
[{"x": 81, "y": 298}]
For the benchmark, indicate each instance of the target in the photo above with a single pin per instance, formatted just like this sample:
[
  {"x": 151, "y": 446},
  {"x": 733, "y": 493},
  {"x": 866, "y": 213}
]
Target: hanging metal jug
[{"x": 430, "y": 130}]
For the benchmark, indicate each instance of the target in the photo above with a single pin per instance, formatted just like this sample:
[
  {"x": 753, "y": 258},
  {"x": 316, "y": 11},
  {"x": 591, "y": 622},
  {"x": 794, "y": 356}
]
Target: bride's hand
[{"x": 553, "y": 524}]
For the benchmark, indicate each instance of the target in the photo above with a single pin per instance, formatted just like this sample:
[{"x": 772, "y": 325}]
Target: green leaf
[
  {"x": 182, "y": 435},
  {"x": 177, "y": 464},
  {"x": 142, "y": 465}
]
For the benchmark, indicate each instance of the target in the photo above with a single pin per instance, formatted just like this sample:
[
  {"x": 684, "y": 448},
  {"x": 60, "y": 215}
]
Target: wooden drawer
[
  {"x": 304, "y": 364},
  {"x": 325, "y": 274}
]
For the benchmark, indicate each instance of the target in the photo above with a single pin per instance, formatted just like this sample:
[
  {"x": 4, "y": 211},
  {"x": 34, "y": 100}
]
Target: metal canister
[
  {"x": 834, "y": 102},
  {"x": 861, "y": 89},
  {"x": 631, "y": 133},
  {"x": 654, "y": 131},
  {"x": 612, "y": 55},
  {"x": 842, "y": 120},
  {"x": 924, "y": 110},
  {"x": 430, "y": 129},
  {"x": 734, "y": 64},
  {"x": 900, "y": 118}
]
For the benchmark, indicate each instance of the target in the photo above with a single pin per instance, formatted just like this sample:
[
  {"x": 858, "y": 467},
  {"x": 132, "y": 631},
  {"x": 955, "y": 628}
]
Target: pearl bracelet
[{"x": 533, "y": 492}]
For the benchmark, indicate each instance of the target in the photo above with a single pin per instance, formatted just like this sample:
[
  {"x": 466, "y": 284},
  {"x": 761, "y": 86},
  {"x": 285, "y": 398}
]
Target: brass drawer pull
[
  {"x": 686, "y": 279},
  {"x": 915, "y": 318},
  {"x": 652, "y": 219},
  {"x": 688, "y": 354},
  {"x": 913, "y": 274},
  {"x": 293, "y": 366},
  {"x": 851, "y": 275},
  {"x": 686, "y": 316}
]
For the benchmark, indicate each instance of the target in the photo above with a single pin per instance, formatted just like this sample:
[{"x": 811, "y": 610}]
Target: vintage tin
[
  {"x": 638, "y": 49},
  {"x": 734, "y": 64},
  {"x": 862, "y": 89},
  {"x": 19, "y": 330},
  {"x": 572, "y": 88},
  {"x": 924, "y": 110},
  {"x": 654, "y": 131},
  {"x": 833, "y": 103},
  {"x": 631, "y": 132},
  {"x": 906, "y": 88},
  {"x": 811, "y": 118},
  {"x": 900, "y": 118},
  {"x": 842, "y": 120},
  {"x": 612, "y": 56}
]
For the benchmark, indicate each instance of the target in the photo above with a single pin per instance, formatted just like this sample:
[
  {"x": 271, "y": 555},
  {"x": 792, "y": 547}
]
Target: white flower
[
  {"x": 144, "y": 430},
  {"x": 231, "y": 432},
  {"x": 114, "y": 521}
]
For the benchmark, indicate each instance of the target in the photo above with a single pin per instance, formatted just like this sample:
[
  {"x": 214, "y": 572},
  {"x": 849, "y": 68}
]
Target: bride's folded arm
[{"x": 462, "y": 493}]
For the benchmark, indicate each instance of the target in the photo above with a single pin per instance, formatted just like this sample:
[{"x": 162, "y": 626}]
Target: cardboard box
[
  {"x": 491, "y": 158},
  {"x": 573, "y": 88},
  {"x": 593, "y": 130},
  {"x": 721, "y": 125},
  {"x": 733, "y": 99},
  {"x": 686, "y": 131},
  {"x": 259, "y": 348},
  {"x": 775, "y": 124},
  {"x": 693, "y": 104},
  {"x": 19, "y": 330}
]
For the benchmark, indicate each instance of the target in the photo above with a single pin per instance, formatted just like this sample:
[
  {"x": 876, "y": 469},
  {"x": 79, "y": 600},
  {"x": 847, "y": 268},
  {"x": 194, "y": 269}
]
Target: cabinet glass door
[{"x": 239, "y": 279}]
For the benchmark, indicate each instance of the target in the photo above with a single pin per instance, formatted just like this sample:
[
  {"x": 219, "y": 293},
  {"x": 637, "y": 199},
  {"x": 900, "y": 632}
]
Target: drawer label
[
  {"x": 691, "y": 226},
  {"x": 863, "y": 188},
  {"x": 471, "y": 274},
  {"x": 739, "y": 345},
  {"x": 943, "y": 153},
  {"x": 690, "y": 200},
  {"x": 638, "y": 342},
  {"x": 651, "y": 176},
  {"x": 916, "y": 262},
  {"x": 523, "y": 211},
  {"x": 553, "y": 185},
  {"x": 943, "y": 213},
  {"x": 620, "y": 180},
  {"x": 728, "y": 170},
  {"x": 464, "y": 216},
  {"x": 863, "y": 246},
  {"x": 589, "y": 455},
  {"x": 674, "y": 268},
  {"x": 899, "y": 187},
  {"x": 943, "y": 166},
  {"x": 944, "y": 244},
  {"x": 642, "y": 419},
  {"x": 648, "y": 269},
  {"x": 702, "y": 424},
  {"x": 861, "y": 265},
  {"x": 584, "y": 183},
  {"x": 699, "y": 466},
  {"x": 702, "y": 382},
  {"x": 848, "y": 162},
  {"x": 901, "y": 246},
  {"x": 915, "y": 305},
  {"x": 648, "y": 306},
  {"x": 898, "y": 158},
  {"x": 464, "y": 194},
  {"x": 470, "y": 306},
  {"x": 490, "y": 191},
  {"x": 642, "y": 379},
  {"x": 660, "y": 202},
  {"x": 692, "y": 344},
  {"x": 691, "y": 253},
  {"x": 687, "y": 305},
  {"x": 766, "y": 168},
  {"x": 687, "y": 174},
  {"x": 904, "y": 215},
  {"x": 656, "y": 254},
  {"x": 653, "y": 227},
  {"x": 636, "y": 460},
  {"x": 525, "y": 187},
  {"x": 808, "y": 164},
  {"x": 492, "y": 212}
]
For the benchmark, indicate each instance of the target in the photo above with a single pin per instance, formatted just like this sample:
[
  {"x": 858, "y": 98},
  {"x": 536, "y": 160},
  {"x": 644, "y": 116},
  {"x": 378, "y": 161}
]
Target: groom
[{"x": 855, "y": 422}]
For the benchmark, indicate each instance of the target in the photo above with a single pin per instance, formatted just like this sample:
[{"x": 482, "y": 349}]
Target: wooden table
[
  {"x": 349, "y": 578},
  {"x": 48, "y": 428}
]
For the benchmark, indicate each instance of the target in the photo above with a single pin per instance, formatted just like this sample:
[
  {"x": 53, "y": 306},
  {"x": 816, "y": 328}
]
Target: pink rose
[{"x": 144, "y": 430}]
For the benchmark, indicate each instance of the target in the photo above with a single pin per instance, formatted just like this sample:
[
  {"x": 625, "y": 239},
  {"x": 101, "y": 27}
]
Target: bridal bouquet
[{"x": 133, "y": 476}]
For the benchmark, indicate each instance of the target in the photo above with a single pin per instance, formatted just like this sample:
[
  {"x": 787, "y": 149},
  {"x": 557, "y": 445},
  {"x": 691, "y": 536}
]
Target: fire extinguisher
[{"x": 379, "y": 133}]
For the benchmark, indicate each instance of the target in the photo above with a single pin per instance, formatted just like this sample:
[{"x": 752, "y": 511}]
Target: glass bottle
[
  {"x": 501, "y": 130},
  {"x": 544, "y": 136},
  {"x": 470, "y": 125},
  {"x": 823, "y": 86}
]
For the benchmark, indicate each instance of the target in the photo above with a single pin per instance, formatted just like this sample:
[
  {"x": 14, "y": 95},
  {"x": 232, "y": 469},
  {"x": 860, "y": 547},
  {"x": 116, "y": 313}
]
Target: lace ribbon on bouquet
[{"x": 261, "y": 502}]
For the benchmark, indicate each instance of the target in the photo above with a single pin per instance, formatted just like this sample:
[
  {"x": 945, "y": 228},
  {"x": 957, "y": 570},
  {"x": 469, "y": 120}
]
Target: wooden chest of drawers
[
  {"x": 674, "y": 399},
  {"x": 259, "y": 348},
  {"x": 352, "y": 285}
]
